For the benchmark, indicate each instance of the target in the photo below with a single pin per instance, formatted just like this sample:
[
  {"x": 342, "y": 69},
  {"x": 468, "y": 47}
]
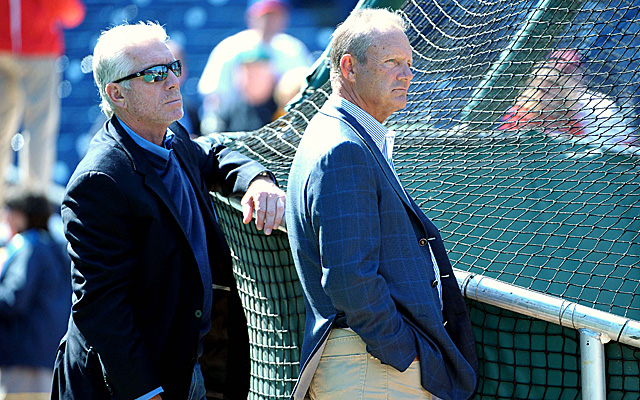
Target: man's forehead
[
  {"x": 149, "y": 53},
  {"x": 390, "y": 41},
  {"x": 147, "y": 50}
]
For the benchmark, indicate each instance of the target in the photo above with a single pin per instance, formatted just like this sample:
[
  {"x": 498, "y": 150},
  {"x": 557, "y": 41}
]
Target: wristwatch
[{"x": 263, "y": 174}]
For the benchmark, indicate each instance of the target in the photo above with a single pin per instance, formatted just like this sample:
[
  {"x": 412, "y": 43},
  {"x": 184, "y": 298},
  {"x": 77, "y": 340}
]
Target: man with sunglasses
[{"x": 146, "y": 249}]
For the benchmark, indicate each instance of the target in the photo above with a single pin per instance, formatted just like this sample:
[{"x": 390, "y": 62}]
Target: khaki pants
[
  {"x": 24, "y": 383},
  {"x": 29, "y": 88},
  {"x": 347, "y": 371}
]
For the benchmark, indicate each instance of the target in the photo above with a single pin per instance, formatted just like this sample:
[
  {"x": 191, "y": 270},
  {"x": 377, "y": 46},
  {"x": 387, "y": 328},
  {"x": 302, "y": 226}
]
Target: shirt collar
[
  {"x": 162, "y": 151},
  {"x": 378, "y": 132}
]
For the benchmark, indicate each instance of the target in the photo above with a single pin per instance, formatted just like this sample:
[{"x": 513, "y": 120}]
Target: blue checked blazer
[{"x": 361, "y": 246}]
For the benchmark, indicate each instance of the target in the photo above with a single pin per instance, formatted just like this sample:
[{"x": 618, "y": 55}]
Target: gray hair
[
  {"x": 356, "y": 34},
  {"x": 111, "y": 60}
]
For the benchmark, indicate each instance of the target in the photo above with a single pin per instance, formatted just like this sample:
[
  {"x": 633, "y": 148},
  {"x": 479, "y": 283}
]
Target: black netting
[
  {"x": 272, "y": 298},
  {"x": 520, "y": 142}
]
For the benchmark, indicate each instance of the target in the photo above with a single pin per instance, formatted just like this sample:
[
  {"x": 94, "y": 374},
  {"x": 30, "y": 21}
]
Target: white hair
[{"x": 111, "y": 59}]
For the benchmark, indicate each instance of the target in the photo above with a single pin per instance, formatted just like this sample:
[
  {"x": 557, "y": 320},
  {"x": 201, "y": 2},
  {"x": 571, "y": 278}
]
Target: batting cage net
[{"x": 520, "y": 141}]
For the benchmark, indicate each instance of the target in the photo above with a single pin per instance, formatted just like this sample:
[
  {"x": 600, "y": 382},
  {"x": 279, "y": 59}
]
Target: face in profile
[
  {"x": 14, "y": 221},
  {"x": 154, "y": 103},
  {"x": 382, "y": 82},
  {"x": 269, "y": 23}
]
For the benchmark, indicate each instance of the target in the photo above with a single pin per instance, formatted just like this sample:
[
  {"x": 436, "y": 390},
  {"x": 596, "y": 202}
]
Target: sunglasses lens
[
  {"x": 176, "y": 67},
  {"x": 156, "y": 74},
  {"x": 160, "y": 77}
]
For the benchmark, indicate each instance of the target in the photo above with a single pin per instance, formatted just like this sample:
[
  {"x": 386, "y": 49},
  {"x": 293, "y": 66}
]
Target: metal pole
[
  {"x": 548, "y": 308},
  {"x": 592, "y": 365}
]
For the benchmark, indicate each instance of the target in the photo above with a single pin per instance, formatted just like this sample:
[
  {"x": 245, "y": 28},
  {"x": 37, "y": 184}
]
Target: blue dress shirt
[{"x": 164, "y": 161}]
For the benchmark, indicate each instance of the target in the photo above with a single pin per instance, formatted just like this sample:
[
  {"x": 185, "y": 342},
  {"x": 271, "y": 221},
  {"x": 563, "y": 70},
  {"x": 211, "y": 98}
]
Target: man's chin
[
  {"x": 177, "y": 116},
  {"x": 401, "y": 102}
]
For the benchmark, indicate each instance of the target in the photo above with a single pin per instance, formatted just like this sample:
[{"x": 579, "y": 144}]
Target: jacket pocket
[{"x": 97, "y": 371}]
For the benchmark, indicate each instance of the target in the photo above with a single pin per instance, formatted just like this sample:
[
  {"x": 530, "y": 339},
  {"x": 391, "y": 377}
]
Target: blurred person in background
[
  {"x": 254, "y": 105},
  {"x": 288, "y": 87},
  {"x": 35, "y": 297},
  {"x": 557, "y": 100},
  {"x": 266, "y": 21},
  {"x": 31, "y": 40}
]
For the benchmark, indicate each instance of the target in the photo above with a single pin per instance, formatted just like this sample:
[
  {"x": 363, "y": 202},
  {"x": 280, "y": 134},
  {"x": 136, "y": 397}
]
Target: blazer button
[
  {"x": 434, "y": 283},
  {"x": 422, "y": 242},
  {"x": 198, "y": 313}
]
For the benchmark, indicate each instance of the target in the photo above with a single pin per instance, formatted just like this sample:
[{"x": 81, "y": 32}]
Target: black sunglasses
[{"x": 157, "y": 73}]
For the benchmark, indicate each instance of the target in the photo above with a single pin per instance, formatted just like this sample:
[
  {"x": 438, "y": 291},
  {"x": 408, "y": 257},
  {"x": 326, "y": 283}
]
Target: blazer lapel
[
  {"x": 181, "y": 152},
  {"x": 142, "y": 166},
  {"x": 340, "y": 113}
]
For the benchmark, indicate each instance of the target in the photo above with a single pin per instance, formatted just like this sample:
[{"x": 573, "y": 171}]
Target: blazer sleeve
[
  {"x": 101, "y": 246},
  {"x": 224, "y": 170},
  {"x": 343, "y": 207}
]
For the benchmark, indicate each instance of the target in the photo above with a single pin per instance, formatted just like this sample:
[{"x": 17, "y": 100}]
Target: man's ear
[
  {"x": 347, "y": 67},
  {"x": 115, "y": 93}
]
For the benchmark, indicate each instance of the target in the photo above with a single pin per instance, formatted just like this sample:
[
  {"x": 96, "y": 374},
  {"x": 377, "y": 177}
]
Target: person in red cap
[
  {"x": 557, "y": 101},
  {"x": 266, "y": 21}
]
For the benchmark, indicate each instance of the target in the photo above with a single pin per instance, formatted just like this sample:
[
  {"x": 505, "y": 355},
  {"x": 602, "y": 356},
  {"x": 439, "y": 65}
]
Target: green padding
[
  {"x": 272, "y": 298},
  {"x": 533, "y": 215},
  {"x": 520, "y": 357}
]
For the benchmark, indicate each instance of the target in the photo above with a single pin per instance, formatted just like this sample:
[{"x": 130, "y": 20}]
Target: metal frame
[{"x": 596, "y": 327}]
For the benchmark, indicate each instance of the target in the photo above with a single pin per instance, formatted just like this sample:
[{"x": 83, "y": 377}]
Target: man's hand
[{"x": 267, "y": 200}]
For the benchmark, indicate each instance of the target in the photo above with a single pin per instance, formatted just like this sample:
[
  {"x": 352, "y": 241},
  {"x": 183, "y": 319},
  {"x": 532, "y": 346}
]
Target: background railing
[{"x": 560, "y": 343}]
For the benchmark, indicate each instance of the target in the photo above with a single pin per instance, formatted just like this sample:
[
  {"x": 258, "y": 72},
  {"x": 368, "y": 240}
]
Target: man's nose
[
  {"x": 172, "y": 79},
  {"x": 407, "y": 73}
]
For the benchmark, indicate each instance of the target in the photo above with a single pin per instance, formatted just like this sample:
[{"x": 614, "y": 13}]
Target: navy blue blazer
[
  {"x": 360, "y": 246},
  {"x": 138, "y": 294}
]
